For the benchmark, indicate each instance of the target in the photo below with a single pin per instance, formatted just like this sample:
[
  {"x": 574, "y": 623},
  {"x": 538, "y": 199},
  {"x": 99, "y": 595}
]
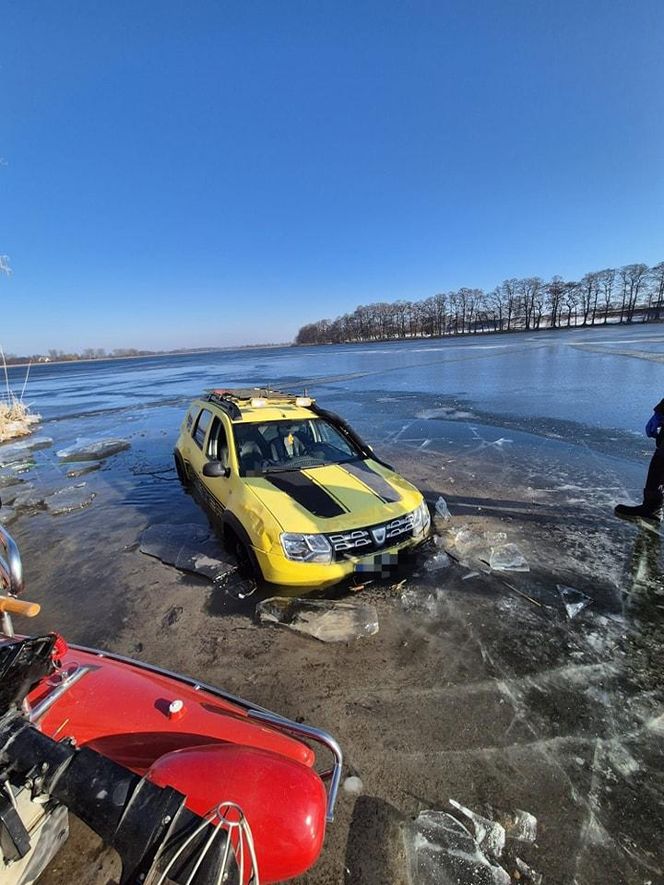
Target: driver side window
[{"x": 217, "y": 447}]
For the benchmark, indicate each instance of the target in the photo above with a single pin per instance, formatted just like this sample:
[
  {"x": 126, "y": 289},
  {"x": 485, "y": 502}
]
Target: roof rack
[{"x": 230, "y": 399}]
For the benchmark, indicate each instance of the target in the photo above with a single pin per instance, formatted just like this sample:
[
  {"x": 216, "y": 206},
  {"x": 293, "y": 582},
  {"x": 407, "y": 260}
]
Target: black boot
[{"x": 650, "y": 509}]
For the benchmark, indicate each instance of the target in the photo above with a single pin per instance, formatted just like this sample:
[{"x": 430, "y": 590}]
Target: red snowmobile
[{"x": 188, "y": 783}]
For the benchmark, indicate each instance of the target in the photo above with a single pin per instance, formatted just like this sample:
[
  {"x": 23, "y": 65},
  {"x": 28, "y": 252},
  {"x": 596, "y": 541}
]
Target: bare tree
[
  {"x": 607, "y": 279},
  {"x": 555, "y": 291}
]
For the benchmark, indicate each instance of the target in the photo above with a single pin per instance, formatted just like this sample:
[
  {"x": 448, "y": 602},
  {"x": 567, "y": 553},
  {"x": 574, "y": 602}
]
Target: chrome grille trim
[{"x": 362, "y": 540}]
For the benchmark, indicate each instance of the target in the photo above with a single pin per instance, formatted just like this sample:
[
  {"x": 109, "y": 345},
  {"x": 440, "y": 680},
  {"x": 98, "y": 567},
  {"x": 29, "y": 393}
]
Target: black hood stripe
[
  {"x": 307, "y": 493},
  {"x": 378, "y": 484}
]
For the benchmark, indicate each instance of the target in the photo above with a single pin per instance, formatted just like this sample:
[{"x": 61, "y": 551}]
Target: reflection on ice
[
  {"x": 93, "y": 449},
  {"x": 188, "y": 547},
  {"x": 327, "y": 620},
  {"x": 81, "y": 471}
]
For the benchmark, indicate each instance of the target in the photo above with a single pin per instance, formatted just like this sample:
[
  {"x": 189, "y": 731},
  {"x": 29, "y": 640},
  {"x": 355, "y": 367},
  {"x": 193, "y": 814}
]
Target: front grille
[{"x": 357, "y": 542}]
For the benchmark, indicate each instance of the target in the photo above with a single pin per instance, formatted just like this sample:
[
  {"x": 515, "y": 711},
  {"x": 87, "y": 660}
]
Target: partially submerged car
[{"x": 302, "y": 499}]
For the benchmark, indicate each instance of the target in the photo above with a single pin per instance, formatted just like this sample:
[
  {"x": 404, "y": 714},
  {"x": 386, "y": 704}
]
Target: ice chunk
[
  {"x": 7, "y": 515},
  {"x": 188, "y": 547},
  {"x": 574, "y": 600},
  {"x": 489, "y": 834},
  {"x": 415, "y": 600},
  {"x": 70, "y": 498},
  {"x": 17, "y": 451},
  {"x": 441, "y": 851},
  {"x": 518, "y": 824},
  {"x": 8, "y": 479},
  {"x": 81, "y": 471},
  {"x": 93, "y": 449},
  {"x": 442, "y": 509},
  {"x": 438, "y": 561},
  {"x": 528, "y": 873},
  {"x": 324, "y": 619},
  {"x": 493, "y": 539},
  {"x": 353, "y": 786},
  {"x": 468, "y": 539},
  {"x": 28, "y": 498},
  {"x": 508, "y": 558}
]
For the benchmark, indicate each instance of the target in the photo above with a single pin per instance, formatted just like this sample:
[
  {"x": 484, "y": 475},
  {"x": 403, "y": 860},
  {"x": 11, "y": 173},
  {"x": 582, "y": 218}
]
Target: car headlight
[
  {"x": 421, "y": 520},
  {"x": 306, "y": 548}
]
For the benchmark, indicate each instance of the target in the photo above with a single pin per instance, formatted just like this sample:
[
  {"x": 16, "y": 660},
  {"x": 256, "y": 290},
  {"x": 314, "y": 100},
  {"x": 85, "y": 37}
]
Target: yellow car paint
[{"x": 363, "y": 496}]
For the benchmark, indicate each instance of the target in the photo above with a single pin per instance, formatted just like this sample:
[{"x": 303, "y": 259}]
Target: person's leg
[{"x": 653, "y": 495}]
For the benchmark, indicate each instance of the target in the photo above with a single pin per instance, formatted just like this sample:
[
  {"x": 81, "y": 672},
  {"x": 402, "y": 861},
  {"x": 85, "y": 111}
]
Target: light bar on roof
[
  {"x": 257, "y": 402},
  {"x": 303, "y": 401}
]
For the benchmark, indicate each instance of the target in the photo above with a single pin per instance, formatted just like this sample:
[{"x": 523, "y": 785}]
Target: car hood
[{"x": 334, "y": 497}]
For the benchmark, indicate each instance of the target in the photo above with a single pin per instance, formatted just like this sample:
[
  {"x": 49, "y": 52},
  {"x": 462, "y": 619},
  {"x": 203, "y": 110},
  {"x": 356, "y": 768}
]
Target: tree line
[{"x": 627, "y": 294}]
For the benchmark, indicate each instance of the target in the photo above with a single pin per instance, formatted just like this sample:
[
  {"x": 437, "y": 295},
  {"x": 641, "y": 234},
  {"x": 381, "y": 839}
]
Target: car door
[{"x": 215, "y": 447}]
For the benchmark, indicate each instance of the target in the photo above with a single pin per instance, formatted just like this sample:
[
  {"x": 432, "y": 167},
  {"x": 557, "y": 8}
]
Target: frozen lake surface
[{"x": 538, "y": 690}]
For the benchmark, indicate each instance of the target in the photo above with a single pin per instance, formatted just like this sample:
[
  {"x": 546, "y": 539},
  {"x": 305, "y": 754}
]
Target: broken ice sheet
[
  {"x": 518, "y": 824},
  {"x": 17, "y": 451},
  {"x": 489, "y": 834},
  {"x": 28, "y": 498},
  {"x": 574, "y": 600},
  {"x": 442, "y": 509},
  {"x": 188, "y": 547},
  {"x": 7, "y": 515},
  {"x": 508, "y": 558},
  {"x": 438, "y": 561},
  {"x": 468, "y": 539},
  {"x": 93, "y": 449},
  {"x": 529, "y": 874},
  {"x": 324, "y": 619},
  {"x": 70, "y": 498},
  {"x": 441, "y": 851}
]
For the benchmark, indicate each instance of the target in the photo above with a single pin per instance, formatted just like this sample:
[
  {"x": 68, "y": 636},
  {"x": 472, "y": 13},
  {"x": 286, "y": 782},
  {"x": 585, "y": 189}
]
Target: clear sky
[{"x": 211, "y": 173}]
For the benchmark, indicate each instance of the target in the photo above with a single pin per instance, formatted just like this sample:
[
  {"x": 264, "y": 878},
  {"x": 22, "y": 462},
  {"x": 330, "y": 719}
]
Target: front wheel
[{"x": 181, "y": 470}]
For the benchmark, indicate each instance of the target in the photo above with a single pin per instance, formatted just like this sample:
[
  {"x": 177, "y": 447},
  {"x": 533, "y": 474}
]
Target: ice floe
[
  {"x": 93, "y": 449},
  {"x": 70, "y": 498},
  {"x": 441, "y": 850},
  {"x": 188, "y": 547},
  {"x": 327, "y": 620}
]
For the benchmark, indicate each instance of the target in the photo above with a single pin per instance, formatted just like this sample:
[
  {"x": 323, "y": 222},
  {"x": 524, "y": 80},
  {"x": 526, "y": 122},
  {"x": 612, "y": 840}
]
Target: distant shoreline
[{"x": 139, "y": 356}]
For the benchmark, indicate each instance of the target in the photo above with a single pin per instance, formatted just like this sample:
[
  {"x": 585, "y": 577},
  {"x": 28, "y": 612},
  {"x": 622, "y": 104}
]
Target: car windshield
[{"x": 290, "y": 445}]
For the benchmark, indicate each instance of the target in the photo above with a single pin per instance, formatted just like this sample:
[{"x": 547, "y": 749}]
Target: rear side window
[{"x": 201, "y": 426}]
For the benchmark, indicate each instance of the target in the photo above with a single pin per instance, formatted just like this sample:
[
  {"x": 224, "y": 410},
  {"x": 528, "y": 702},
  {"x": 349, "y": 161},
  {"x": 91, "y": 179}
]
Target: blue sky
[{"x": 213, "y": 173}]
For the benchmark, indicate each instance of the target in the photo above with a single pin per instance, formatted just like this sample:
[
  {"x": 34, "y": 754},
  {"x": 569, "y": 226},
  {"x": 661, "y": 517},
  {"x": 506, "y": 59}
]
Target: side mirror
[{"x": 215, "y": 469}]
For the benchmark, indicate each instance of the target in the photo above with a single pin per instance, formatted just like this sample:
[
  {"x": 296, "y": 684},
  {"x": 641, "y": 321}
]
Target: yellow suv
[{"x": 301, "y": 498}]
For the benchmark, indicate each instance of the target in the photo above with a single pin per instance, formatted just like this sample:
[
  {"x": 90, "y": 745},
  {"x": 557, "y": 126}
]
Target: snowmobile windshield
[{"x": 290, "y": 445}]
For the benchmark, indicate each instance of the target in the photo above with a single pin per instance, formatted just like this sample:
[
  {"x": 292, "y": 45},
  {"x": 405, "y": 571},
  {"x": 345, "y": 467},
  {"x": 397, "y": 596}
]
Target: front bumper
[{"x": 277, "y": 569}]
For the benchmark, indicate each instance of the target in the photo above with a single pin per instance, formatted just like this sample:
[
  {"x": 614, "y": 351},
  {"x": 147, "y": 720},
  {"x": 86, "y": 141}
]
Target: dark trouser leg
[
  {"x": 655, "y": 479},
  {"x": 653, "y": 496}
]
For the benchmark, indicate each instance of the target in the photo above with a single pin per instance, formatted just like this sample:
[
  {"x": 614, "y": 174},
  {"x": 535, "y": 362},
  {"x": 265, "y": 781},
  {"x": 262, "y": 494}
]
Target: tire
[
  {"x": 248, "y": 566},
  {"x": 181, "y": 470}
]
